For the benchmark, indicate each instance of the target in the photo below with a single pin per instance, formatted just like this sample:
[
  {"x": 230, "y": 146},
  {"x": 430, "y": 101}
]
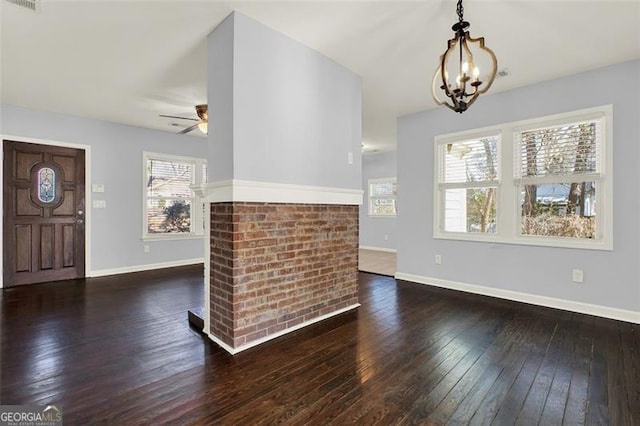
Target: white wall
[
  {"x": 220, "y": 100},
  {"x": 374, "y": 229},
  {"x": 115, "y": 162},
  {"x": 611, "y": 278},
  {"x": 296, "y": 113}
]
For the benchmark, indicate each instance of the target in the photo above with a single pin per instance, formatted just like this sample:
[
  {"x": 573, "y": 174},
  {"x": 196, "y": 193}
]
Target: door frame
[{"x": 87, "y": 193}]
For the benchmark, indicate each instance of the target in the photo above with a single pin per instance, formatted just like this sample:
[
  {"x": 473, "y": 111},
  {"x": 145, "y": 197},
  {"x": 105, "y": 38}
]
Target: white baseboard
[
  {"x": 253, "y": 343},
  {"x": 220, "y": 343},
  {"x": 146, "y": 267},
  {"x": 550, "y": 302},
  {"x": 386, "y": 250}
]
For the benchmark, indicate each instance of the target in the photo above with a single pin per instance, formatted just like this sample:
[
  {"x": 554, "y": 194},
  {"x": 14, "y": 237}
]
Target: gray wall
[
  {"x": 296, "y": 114},
  {"x": 374, "y": 229},
  {"x": 611, "y": 278},
  {"x": 220, "y": 101},
  {"x": 116, "y": 162}
]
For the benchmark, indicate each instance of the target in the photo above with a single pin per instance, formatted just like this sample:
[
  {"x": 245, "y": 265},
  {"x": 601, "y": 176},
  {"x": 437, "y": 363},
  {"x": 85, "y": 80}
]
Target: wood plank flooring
[
  {"x": 377, "y": 262},
  {"x": 118, "y": 350}
]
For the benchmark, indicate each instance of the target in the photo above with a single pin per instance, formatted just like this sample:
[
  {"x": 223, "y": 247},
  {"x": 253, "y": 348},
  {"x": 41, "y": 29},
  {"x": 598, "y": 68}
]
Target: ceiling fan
[{"x": 202, "y": 122}]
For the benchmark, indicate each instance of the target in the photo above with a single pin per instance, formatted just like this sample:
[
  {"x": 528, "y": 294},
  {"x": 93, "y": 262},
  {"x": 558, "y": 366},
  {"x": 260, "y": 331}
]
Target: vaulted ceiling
[{"x": 129, "y": 61}]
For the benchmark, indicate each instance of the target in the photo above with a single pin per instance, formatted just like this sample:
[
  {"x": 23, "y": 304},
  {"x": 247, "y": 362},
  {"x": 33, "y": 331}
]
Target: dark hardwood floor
[{"x": 118, "y": 350}]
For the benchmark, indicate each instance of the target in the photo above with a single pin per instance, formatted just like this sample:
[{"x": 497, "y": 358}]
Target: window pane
[
  {"x": 559, "y": 209},
  {"x": 470, "y": 161},
  {"x": 170, "y": 179},
  {"x": 168, "y": 215},
  {"x": 470, "y": 210},
  {"x": 46, "y": 185},
  {"x": 382, "y": 197},
  {"x": 564, "y": 150},
  {"x": 383, "y": 207},
  {"x": 383, "y": 189}
]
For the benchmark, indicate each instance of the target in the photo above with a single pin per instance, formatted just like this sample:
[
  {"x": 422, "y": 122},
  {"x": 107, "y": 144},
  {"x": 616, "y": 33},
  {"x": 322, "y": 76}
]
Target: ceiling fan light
[{"x": 203, "y": 127}]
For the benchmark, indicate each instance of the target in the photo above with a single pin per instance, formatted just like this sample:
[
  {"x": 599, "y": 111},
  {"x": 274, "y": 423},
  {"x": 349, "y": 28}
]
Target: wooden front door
[{"x": 43, "y": 190}]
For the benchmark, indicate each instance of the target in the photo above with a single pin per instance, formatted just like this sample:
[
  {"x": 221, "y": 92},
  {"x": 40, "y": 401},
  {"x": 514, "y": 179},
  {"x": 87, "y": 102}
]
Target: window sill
[
  {"x": 603, "y": 245},
  {"x": 172, "y": 237}
]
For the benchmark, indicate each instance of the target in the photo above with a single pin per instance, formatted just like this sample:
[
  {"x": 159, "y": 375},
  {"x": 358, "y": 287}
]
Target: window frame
[
  {"x": 370, "y": 182},
  {"x": 508, "y": 208},
  {"x": 196, "y": 214},
  {"x": 441, "y": 187}
]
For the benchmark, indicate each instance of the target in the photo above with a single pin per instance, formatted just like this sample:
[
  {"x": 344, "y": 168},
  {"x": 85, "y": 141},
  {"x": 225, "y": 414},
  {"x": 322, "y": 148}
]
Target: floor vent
[{"x": 28, "y": 4}]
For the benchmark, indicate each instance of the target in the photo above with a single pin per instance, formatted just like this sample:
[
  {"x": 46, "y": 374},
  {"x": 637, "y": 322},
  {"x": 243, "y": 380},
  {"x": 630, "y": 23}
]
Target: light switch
[
  {"x": 350, "y": 158},
  {"x": 96, "y": 187},
  {"x": 99, "y": 204},
  {"x": 577, "y": 275}
]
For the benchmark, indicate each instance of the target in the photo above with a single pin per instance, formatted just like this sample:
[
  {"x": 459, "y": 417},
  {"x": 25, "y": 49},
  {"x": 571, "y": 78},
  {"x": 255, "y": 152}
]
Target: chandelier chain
[{"x": 460, "y": 10}]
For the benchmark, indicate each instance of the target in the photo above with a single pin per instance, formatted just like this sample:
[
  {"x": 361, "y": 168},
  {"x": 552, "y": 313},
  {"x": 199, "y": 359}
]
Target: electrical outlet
[
  {"x": 386, "y": 237},
  {"x": 577, "y": 275},
  {"x": 438, "y": 259},
  {"x": 349, "y": 157},
  {"x": 147, "y": 248}
]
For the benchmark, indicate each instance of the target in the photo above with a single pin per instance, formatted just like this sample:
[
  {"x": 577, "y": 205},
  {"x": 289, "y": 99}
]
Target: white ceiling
[{"x": 128, "y": 61}]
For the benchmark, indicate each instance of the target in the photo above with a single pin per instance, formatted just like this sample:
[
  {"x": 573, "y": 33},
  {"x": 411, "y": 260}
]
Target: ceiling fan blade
[
  {"x": 181, "y": 118},
  {"x": 188, "y": 129},
  {"x": 201, "y": 111}
]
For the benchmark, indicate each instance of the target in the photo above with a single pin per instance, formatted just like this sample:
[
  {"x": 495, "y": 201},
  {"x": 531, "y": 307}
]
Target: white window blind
[
  {"x": 383, "y": 189},
  {"x": 566, "y": 150},
  {"x": 205, "y": 173},
  {"x": 169, "y": 179},
  {"x": 472, "y": 161}
]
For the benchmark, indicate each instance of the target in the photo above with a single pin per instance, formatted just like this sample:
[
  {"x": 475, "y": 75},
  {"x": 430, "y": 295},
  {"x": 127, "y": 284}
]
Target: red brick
[
  {"x": 276, "y": 329},
  {"x": 280, "y": 265},
  {"x": 286, "y": 255},
  {"x": 257, "y": 335},
  {"x": 246, "y": 330},
  {"x": 295, "y": 322}
]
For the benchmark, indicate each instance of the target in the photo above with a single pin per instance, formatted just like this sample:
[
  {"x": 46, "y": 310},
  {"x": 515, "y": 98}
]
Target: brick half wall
[{"x": 275, "y": 266}]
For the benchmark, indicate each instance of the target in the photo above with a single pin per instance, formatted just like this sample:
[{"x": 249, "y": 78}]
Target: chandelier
[{"x": 459, "y": 60}]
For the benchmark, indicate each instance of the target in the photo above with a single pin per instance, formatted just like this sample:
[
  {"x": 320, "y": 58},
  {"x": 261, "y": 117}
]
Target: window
[
  {"x": 558, "y": 171},
  {"x": 539, "y": 182},
  {"x": 169, "y": 203},
  {"x": 468, "y": 184},
  {"x": 382, "y": 197},
  {"x": 46, "y": 185}
]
